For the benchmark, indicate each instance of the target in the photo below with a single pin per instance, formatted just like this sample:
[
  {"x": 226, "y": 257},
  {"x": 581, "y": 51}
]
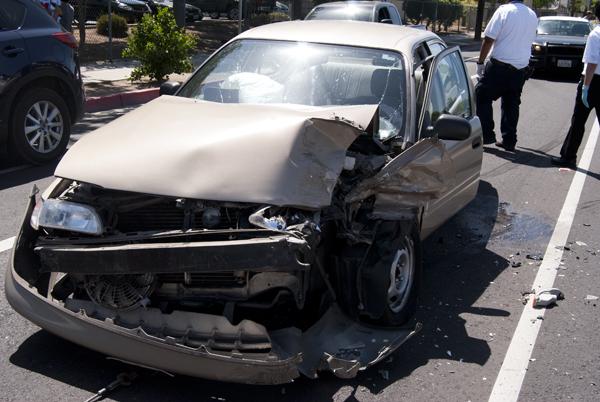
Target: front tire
[
  {"x": 233, "y": 14},
  {"x": 378, "y": 284},
  {"x": 40, "y": 126}
]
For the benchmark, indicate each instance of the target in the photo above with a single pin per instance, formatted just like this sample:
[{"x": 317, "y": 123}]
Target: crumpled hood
[{"x": 173, "y": 146}]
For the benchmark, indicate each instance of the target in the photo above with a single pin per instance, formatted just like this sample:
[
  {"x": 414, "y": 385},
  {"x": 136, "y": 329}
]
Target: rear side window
[
  {"x": 12, "y": 14},
  {"x": 383, "y": 14}
]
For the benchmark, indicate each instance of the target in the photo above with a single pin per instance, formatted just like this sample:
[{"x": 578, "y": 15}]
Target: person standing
[
  {"x": 67, "y": 15},
  {"x": 509, "y": 35},
  {"x": 588, "y": 97}
]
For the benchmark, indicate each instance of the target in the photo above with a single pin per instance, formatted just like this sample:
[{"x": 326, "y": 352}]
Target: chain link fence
[
  {"x": 447, "y": 16},
  {"x": 90, "y": 27}
]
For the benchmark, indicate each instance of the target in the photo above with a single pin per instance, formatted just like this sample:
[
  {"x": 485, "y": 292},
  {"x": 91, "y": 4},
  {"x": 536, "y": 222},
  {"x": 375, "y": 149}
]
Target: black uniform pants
[
  {"x": 579, "y": 118},
  {"x": 504, "y": 81}
]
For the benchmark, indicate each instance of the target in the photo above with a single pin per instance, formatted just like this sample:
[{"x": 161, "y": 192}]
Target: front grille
[
  {"x": 211, "y": 280},
  {"x": 167, "y": 216},
  {"x": 565, "y": 50}
]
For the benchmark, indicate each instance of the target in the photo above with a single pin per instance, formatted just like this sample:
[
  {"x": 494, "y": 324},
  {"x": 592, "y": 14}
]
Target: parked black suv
[{"x": 41, "y": 92}]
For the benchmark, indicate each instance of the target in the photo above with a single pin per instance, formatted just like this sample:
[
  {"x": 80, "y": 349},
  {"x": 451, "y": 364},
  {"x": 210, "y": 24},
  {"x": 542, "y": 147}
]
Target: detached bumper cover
[{"x": 334, "y": 343}]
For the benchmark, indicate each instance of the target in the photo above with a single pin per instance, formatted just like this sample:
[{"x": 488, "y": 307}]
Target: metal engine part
[{"x": 120, "y": 292}]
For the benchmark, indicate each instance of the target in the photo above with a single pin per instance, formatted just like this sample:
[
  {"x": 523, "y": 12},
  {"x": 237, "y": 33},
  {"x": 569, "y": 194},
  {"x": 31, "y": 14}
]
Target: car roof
[
  {"x": 348, "y": 33},
  {"x": 349, "y": 3},
  {"x": 563, "y": 18}
]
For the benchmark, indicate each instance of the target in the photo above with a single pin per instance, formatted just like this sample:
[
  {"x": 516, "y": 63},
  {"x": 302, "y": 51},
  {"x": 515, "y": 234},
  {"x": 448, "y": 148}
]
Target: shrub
[
  {"x": 161, "y": 47},
  {"x": 119, "y": 26},
  {"x": 256, "y": 20}
]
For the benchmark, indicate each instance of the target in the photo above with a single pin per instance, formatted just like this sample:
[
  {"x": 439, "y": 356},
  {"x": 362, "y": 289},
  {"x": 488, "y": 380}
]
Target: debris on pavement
[
  {"x": 591, "y": 299},
  {"x": 525, "y": 296},
  {"x": 515, "y": 264},
  {"x": 535, "y": 257},
  {"x": 581, "y": 243},
  {"x": 547, "y": 297}
]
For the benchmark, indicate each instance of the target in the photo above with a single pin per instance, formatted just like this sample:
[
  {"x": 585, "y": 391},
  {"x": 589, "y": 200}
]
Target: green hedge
[{"x": 119, "y": 26}]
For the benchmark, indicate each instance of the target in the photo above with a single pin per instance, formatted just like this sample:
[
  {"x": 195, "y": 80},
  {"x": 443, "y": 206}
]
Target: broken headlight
[{"x": 65, "y": 215}]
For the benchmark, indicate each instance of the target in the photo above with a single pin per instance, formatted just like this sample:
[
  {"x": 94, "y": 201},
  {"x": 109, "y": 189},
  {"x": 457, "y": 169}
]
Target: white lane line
[
  {"x": 510, "y": 379},
  {"x": 6, "y": 244}
]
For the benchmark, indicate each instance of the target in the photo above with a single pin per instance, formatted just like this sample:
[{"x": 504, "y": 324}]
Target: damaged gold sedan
[{"x": 265, "y": 218}]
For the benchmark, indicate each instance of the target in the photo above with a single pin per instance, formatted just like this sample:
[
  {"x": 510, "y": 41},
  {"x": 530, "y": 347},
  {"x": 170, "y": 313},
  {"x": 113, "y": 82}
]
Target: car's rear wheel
[{"x": 40, "y": 126}]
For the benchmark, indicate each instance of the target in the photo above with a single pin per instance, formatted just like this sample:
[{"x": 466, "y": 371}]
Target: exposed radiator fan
[{"x": 119, "y": 292}]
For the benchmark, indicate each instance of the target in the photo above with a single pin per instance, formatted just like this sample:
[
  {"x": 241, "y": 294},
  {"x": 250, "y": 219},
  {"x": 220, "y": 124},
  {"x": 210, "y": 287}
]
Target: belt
[{"x": 507, "y": 65}]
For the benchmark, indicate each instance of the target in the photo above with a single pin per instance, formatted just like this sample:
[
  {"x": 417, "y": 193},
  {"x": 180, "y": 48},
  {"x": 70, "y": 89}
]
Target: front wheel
[
  {"x": 233, "y": 14},
  {"x": 40, "y": 126},
  {"x": 378, "y": 284}
]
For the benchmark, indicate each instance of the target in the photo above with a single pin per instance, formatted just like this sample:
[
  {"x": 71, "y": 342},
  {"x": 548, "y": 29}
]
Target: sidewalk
[{"x": 107, "y": 84}]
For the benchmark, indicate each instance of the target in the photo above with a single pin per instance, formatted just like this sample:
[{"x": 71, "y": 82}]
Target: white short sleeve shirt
[
  {"x": 592, "y": 50},
  {"x": 513, "y": 28}
]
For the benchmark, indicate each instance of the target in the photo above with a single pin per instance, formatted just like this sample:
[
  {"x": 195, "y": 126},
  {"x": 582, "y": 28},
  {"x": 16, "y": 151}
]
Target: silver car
[{"x": 265, "y": 218}]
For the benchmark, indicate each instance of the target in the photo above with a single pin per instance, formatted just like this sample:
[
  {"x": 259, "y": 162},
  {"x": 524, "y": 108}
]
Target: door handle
[
  {"x": 12, "y": 51},
  {"x": 476, "y": 143}
]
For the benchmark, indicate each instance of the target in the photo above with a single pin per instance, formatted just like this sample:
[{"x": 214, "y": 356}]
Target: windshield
[
  {"x": 263, "y": 71},
  {"x": 355, "y": 12},
  {"x": 563, "y": 27}
]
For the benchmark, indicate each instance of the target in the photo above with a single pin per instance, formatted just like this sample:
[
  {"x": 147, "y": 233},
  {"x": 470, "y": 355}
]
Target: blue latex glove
[{"x": 584, "y": 95}]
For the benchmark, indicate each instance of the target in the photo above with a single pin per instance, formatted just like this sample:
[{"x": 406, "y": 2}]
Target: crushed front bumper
[{"x": 334, "y": 343}]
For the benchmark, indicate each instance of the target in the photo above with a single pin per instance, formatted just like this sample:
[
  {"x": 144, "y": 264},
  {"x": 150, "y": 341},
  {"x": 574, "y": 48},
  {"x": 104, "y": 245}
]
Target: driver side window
[{"x": 449, "y": 91}]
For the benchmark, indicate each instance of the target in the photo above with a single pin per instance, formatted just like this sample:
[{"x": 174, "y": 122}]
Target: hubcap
[
  {"x": 401, "y": 275},
  {"x": 43, "y": 127}
]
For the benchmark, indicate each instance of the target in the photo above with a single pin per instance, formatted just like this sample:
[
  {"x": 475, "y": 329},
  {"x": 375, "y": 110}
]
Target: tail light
[{"x": 67, "y": 38}]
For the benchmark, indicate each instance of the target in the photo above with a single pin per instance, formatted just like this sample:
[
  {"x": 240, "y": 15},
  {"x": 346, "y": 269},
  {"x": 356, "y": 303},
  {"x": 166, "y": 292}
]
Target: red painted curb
[{"x": 119, "y": 100}]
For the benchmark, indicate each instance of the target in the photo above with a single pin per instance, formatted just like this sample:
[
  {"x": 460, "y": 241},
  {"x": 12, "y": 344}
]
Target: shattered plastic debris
[
  {"x": 548, "y": 297},
  {"x": 515, "y": 264},
  {"x": 535, "y": 257},
  {"x": 580, "y": 243},
  {"x": 591, "y": 298},
  {"x": 525, "y": 296}
]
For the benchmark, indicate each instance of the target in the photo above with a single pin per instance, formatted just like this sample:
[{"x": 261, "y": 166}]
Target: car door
[
  {"x": 449, "y": 91},
  {"x": 13, "y": 54}
]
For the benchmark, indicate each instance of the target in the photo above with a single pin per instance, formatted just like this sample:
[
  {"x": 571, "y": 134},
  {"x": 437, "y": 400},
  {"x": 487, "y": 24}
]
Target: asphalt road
[{"x": 470, "y": 305}]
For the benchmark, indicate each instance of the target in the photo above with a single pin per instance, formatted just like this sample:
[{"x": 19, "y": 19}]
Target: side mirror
[
  {"x": 169, "y": 88},
  {"x": 453, "y": 128},
  {"x": 386, "y": 21}
]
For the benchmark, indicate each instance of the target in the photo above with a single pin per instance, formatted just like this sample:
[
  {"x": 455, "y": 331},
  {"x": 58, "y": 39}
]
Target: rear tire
[{"x": 40, "y": 126}]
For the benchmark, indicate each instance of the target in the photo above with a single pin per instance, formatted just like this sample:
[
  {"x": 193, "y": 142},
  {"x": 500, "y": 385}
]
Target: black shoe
[
  {"x": 560, "y": 161},
  {"x": 509, "y": 148},
  {"x": 488, "y": 141}
]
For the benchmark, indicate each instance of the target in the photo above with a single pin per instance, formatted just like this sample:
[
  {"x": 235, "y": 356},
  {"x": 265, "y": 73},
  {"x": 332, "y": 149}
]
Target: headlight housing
[
  {"x": 65, "y": 215},
  {"x": 537, "y": 48}
]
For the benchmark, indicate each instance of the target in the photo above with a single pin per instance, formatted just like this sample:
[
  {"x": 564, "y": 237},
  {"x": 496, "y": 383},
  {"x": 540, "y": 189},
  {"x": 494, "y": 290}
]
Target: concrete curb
[{"x": 119, "y": 100}]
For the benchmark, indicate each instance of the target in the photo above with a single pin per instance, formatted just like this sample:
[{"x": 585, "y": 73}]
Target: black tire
[
  {"x": 18, "y": 139},
  {"x": 368, "y": 296},
  {"x": 214, "y": 15},
  {"x": 233, "y": 14}
]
